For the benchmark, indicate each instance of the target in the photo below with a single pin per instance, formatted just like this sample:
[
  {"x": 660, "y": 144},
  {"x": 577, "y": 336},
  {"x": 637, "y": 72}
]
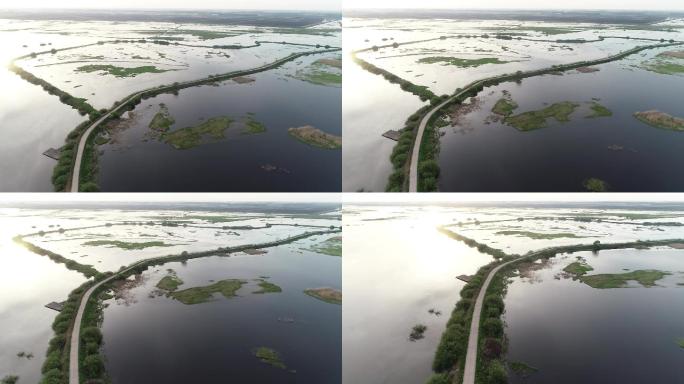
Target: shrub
[
  {"x": 492, "y": 327},
  {"x": 496, "y": 373},
  {"x": 93, "y": 366}
]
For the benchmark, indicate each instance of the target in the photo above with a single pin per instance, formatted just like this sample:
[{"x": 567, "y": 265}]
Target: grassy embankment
[
  {"x": 315, "y": 137},
  {"x": 127, "y": 245},
  {"x": 86, "y": 270},
  {"x": 329, "y": 295}
]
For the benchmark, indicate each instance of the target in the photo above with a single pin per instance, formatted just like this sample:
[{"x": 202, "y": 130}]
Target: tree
[
  {"x": 492, "y": 327},
  {"x": 496, "y": 373},
  {"x": 93, "y": 366}
]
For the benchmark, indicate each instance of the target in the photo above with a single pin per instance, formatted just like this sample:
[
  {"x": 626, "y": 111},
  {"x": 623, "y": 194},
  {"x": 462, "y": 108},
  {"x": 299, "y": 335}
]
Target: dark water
[
  {"x": 235, "y": 163},
  {"x": 159, "y": 340},
  {"x": 499, "y": 158},
  {"x": 573, "y": 333}
]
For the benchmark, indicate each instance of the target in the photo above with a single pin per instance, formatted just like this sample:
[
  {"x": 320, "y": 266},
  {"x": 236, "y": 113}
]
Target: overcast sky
[
  {"x": 172, "y": 197},
  {"x": 314, "y": 5},
  {"x": 518, "y": 4}
]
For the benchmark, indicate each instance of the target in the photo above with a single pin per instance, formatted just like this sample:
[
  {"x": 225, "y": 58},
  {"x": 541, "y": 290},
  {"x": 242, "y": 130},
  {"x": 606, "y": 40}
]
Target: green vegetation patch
[
  {"x": 9, "y": 379},
  {"x": 127, "y": 245},
  {"x": 665, "y": 63},
  {"x": 417, "y": 332},
  {"x": 680, "y": 342},
  {"x": 253, "y": 127},
  {"x": 267, "y": 287},
  {"x": 170, "y": 283},
  {"x": 595, "y": 185},
  {"x": 598, "y": 110},
  {"x": 315, "y": 137},
  {"x": 329, "y": 295},
  {"x": 270, "y": 357},
  {"x": 537, "y": 235},
  {"x": 521, "y": 369},
  {"x": 528, "y": 121},
  {"x": 190, "y": 137},
  {"x": 646, "y": 278},
  {"x": 331, "y": 246},
  {"x": 198, "y": 295},
  {"x": 162, "y": 121},
  {"x": 578, "y": 268},
  {"x": 462, "y": 63},
  {"x": 504, "y": 107},
  {"x": 327, "y": 72},
  {"x": 661, "y": 120},
  {"x": 114, "y": 70}
]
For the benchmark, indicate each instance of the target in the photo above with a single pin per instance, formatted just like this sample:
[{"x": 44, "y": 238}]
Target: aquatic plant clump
[
  {"x": 417, "y": 332},
  {"x": 270, "y": 357}
]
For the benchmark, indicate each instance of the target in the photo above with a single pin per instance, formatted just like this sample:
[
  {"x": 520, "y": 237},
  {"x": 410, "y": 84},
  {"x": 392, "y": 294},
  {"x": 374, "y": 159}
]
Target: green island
[
  {"x": 598, "y": 110},
  {"x": 270, "y": 357},
  {"x": 198, "y": 295},
  {"x": 109, "y": 69},
  {"x": 537, "y": 235},
  {"x": 127, "y": 245},
  {"x": 578, "y": 268},
  {"x": 461, "y": 63},
  {"x": 331, "y": 246},
  {"x": 190, "y": 137},
  {"x": 521, "y": 369},
  {"x": 170, "y": 282},
  {"x": 315, "y": 137},
  {"x": 267, "y": 287},
  {"x": 531, "y": 120},
  {"x": 329, "y": 295},
  {"x": 504, "y": 107},
  {"x": 322, "y": 72},
  {"x": 680, "y": 342},
  {"x": 595, "y": 185},
  {"x": 661, "y": 120},
  {"x": 162, "y": 121},
  {"x": 646, "y": 278}
]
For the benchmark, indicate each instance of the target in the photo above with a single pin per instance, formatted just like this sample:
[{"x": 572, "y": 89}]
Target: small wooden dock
[
  {"x": 465, "y": 278},
  {"x": 52, "y": 153},
  {"x": 392, "y": 134},
  {"x": 55, "y": 306}
]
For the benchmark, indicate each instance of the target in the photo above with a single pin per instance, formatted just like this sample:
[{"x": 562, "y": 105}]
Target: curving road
[
  {"x": 415, "y": 152},
  {"x": 76, "y": 172},
  {"x": 74, "y": 347},
  {"x": 470, "y": 367}
]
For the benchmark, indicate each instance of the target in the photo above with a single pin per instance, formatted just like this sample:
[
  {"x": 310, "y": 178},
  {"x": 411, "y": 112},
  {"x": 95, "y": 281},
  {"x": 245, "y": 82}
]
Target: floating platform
[
  {"x": 465, "y": 278},
  {"x": 55, "y": 306},
  {"x": 52, "y": 153},
  {"x": 392, "y": 134}
]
